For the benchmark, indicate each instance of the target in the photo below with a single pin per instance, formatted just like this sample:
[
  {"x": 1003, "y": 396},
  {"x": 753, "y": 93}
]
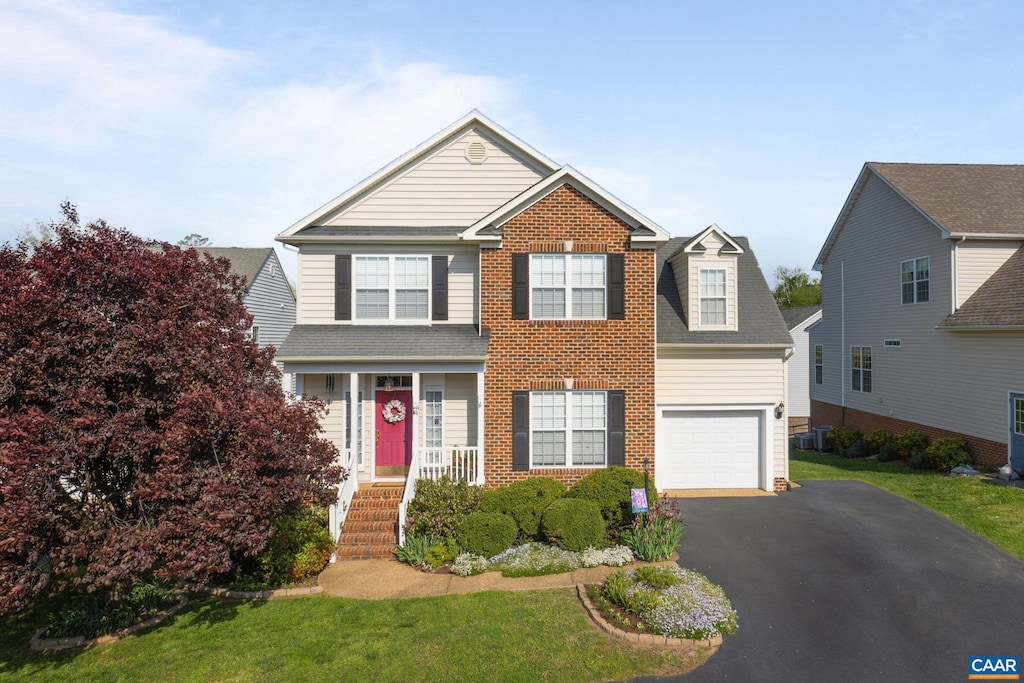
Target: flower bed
[{"x": 539, "y": 559}]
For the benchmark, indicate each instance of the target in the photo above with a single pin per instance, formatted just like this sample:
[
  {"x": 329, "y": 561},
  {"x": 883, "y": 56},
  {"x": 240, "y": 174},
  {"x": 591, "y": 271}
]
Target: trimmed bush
[
  {"x": 920, "y": 461},
  {"x": 909, "y": 444},
  {"x": 486, "y": 533},
  {"x": 878, "y": 438},
  {"x": 857, "y": 450},
  {"x": 440, "y": 506},
  {"x": 525, "y": 502},
  {"x": 844, "y": 437},
  {"x": 574, "y": 524},
  {"x": 298, "y": 550},
  {"x": 887, "y": 453},
  {"x": 948, "y": 452},
  {"x": 609, "y": 489}
]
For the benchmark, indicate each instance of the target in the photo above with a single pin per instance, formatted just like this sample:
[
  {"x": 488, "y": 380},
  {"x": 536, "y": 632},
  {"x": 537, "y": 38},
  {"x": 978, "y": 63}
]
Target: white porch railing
[
  {"x": 456, "y": 463},
  {"x": 408, "y": 494},
  {"x": 348, "y": 488}
]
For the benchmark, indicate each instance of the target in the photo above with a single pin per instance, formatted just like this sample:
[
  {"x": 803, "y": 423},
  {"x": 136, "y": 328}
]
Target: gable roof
[
  {"x": 798, "y": 315},
  {"x": 759, "y": 320},
  {"x": 729, "y": 247},
  {"x": 961, "y": 200},
  {"x": 642, "y": 229},
  {"x": 998, "y": 303},
  {"x": 245, "y": 261},
  {"x": 472, "y": 120}
]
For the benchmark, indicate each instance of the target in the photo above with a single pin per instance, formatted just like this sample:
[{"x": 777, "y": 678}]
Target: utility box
[
  {"x": 822, "y": 442},
  {"x": 804, "y": 442}
]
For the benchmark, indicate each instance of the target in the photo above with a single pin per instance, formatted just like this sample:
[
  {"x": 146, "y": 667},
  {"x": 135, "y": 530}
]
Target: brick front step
[
  {"x": 372, "y": 514},
  {"x": 370, "y": 526},
  {"x": 356, "y": 526},
  {"x": 375, "y": 552}
]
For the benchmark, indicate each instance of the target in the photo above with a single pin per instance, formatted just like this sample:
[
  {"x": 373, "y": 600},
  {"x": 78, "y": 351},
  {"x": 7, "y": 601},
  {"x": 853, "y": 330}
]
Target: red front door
[{"x": 394, "y": 435}]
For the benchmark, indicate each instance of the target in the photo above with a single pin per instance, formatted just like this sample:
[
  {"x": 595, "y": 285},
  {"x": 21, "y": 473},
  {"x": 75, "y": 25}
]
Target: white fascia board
[
  {"x": 980, "y": 328},
  {"x": 684, "y": 345},
  {"x": 473, "y": 118},
  {"x": 566, "y": 175},
  {"x": 367, "y": 239},
  {"x": 983, "y": 236},
  {"x": 737, "y": 249}
]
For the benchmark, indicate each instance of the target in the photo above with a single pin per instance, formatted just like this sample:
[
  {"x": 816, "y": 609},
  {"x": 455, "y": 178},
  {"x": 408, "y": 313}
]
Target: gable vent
[{"x": 476, "y": 152}]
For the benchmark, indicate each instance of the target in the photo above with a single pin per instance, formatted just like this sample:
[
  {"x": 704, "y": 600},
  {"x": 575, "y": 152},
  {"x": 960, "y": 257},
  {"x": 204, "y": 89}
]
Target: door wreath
[{"x": 393, "y": 411}]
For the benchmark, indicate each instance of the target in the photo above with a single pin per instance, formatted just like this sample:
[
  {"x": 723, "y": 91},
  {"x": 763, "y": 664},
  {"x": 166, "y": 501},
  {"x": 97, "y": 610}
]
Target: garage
[{"x": 700, "y": 449}]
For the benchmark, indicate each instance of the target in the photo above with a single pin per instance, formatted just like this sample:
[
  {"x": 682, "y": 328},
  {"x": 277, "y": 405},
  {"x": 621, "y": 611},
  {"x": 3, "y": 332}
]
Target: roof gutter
[
  {"x": 685, "y": 345},
  {"x": 379, "y": 359}
]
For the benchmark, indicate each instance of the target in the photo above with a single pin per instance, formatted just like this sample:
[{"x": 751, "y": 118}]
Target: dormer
[{"x": 706, "y": 275}]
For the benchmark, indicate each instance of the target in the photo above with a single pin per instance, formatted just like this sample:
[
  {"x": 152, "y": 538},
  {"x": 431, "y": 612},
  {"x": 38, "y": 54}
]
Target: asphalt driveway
[{"x": 841, "y": 581}]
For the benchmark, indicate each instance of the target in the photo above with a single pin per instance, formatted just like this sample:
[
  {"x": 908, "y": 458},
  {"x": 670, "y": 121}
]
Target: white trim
[
  {"x": 1011, "y": 397},
  {"x": 690, "y": 247},
  {"x": 392, "y": 291},
  {"x": 567, "y": 286},
  {"x": 401, "y": 366},
  {"x": 568, "y": 429},
  {"x": 480, "y": 424},
  {"x": 914, "y": 270},
  {"x": 700, "y": 298},
  {"x": 861, "y": 369}
]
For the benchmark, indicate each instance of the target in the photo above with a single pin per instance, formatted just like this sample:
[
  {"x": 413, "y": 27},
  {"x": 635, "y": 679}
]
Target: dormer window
[{"x": 712, "y": 297}]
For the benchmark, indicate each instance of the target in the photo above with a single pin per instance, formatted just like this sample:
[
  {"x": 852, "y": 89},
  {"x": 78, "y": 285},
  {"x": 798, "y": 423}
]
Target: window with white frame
[
  {"x": 254, "y": 334},
  {"x": 819, "y": 364},
  {"x": 433, "y": 428},
  {"x": 914, "y": 280},
  {"x": 712, "y": 296},
  {"x": 392, "y": 287},
  {"x": 567, "y": 286},
  {"x": 568, "y": 428},
  {"x": 860, "y": 365},
  {"x": 349, "y": 443},
  {"x": 1018, "y": 416}
]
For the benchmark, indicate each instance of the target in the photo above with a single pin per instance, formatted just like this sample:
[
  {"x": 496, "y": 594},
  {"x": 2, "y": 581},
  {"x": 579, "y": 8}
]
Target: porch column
[
  {"x": 480, "y": 425},
  {"x": 416, "y": 423},
  {"x": 353, "y": 419}
]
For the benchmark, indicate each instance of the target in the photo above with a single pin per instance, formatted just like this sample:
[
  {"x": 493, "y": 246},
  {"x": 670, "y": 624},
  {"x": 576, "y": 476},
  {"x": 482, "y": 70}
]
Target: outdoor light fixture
[
  {"x": 780, "y": 410},
  {"x": 389, "y": 385}
]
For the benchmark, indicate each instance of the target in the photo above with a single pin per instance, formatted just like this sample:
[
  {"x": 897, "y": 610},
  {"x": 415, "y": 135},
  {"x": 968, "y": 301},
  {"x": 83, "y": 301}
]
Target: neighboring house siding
[
  {"x": 723, "y": 378},
  {"x": 316, "y": 279},
  {"x": 976, "y": 262},
  {"x": 530, "y": 355},
  {"x": 799, "y": 374},
  {"x": 445, "y": 189},
  {"x": 271, "y": 303}
]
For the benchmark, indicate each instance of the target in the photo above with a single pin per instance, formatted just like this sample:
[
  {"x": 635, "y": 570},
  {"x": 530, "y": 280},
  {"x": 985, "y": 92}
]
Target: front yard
[{"x": 990, "y": 510}]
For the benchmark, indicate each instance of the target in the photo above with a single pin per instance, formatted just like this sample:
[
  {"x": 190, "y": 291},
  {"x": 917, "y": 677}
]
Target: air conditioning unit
[
  {"x": 822, "y": 442},
  {"x": 804, "y": 442}
]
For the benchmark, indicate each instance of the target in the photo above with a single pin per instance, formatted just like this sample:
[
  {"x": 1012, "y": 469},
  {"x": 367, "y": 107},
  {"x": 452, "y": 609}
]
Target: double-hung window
[
  {"x": 568, "y": 428},
  {"x": 433, "y": 430},
  {"x": 860, "y": 366},
  {"x": 569, "y": 286},
  {"x": 914, "y": 280},
  {"x": 392, "y": 287},
  {"x": 712, "y": 296},
  {"x": 819, "y": 363}
]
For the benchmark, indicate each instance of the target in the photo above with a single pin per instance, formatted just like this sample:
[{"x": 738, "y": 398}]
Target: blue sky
[{"x": 234, "y": 119}]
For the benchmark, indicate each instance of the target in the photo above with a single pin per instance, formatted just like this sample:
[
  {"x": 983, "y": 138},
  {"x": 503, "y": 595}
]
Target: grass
[
  {"x": 516, "y": 636},
  {"x": 992, "y": 511}
]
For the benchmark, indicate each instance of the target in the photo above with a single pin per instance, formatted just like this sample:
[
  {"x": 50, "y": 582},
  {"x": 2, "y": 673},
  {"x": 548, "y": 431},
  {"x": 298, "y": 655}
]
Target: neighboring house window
[
  {"x": 254, "y": 334},
  {"x": 712, "y": 296},
  {"x": 567, "y": 286},
  {"x": 568, "y": 428},
  {"x": 914, "y": 279},
  {"x": 819, "y": 366},
  {"x": 433, "y": 435},
  {"x": 860, "y": 364},
  {"x": 392, "y": 287},
  {"x": 1018, "y": 415}
]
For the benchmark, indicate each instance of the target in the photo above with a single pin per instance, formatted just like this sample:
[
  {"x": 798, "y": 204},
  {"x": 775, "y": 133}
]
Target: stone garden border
[
  {"x": 641, "y": 639},
  {"x": 299, "y": 592},
  {"x": 40, "y": 644}
]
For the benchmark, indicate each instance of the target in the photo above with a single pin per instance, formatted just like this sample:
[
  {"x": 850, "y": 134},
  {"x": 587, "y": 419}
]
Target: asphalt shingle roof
[
  {"x": 962, "y": 198},
  {"x": 757, "y": 313},
  {"x": 245, "y": 261},
  {"x": 797, "y": 314},
  {"x": 998, "y": 302},
  {"x": 378, "y": 342}
]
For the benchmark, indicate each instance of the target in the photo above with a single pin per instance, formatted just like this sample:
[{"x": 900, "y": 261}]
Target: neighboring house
[
  {"x": 475, "y": 309},
  {"x": 923, "y": 326},
  {"x": 798, "y": 377},
  {"x": 268, "y": 295}
]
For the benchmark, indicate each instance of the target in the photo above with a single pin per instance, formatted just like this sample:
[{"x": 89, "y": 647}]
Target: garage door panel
[{"x": 709, "y": 449}]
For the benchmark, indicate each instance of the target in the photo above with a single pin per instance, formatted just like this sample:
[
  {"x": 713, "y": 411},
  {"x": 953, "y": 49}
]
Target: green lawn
[
  {"x": 992, "y": 511},
  {"x": 520, "y": 636}
]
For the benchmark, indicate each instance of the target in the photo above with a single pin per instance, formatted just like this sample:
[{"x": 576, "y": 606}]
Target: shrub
[
  {"x": 655, "y": 535},
  {"x": 920, "y": 461},
  {"x": 440, "y": 553},
  {"x": 878, "y": 438},
  {"x": 610, "y": 489},
  {"x": 857, "y": 450},
  {"x": 486, "y": 533},
  {"x": 574, "y": 524},
  {"x": 525, "y": 502},
  {"x": 468, "y": 564},
  {"x": 887, "y": 453},
  {"x": 948, "y": 452},
  {"x": 844, "y": 437},
  {"x": 96, "y": 614},
  {"x": 439, "y": 506},
  {"x": 414, "y": 550},
  {"x": 910, "y": 443},
  {"x": 299, "y": 550}
]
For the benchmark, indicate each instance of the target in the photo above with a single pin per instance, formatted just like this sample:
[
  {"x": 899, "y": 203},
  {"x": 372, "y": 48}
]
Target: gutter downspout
[
  {"x": 956, "y": 274},
  {"x": 842, "y": 338}
]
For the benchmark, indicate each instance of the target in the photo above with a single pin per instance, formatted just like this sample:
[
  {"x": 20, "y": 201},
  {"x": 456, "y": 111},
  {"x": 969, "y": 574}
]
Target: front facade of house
[
  {"x": 923, "y": 325},
  {"x": 474, "y": 309}
]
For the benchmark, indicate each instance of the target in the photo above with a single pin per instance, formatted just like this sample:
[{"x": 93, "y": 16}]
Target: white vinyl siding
[
  {"x": 444, "y": 189},
  {"x": 708, "y": 299},
  {"x": 567, "y": 286},
  {"x": 914, "y": 280},
  {"x": 976, "y": 261},
  {"x": 568, "y": 428}
]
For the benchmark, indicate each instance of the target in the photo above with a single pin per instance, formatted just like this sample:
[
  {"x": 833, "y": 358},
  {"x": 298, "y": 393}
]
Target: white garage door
[{"x": 708, "y": 450}]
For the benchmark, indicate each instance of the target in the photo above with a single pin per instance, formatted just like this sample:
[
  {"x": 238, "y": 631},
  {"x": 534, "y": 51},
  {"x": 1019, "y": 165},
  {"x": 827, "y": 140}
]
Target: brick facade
[
  {"x": 983, "y": 451},
  {"x": 527, "y": 355}
]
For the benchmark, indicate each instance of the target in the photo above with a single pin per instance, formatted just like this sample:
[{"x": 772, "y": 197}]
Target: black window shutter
[
  {"x": 440, "y": 287},
  {"x": 617, "y": 428},
  {"x": 520, "y": 286},
  {"x": 343, "y": 287},
  {"x": 616, "y": 287},
  {"x": 520, "y": 431}
]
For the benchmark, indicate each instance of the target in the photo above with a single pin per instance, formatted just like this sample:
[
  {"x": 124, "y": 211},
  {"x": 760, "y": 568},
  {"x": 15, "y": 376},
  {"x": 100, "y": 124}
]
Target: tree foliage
[
  {"x": 141, "y": 432},
  {"x": 794, "y": 288},
  {"x": 194, "y": 239}
]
